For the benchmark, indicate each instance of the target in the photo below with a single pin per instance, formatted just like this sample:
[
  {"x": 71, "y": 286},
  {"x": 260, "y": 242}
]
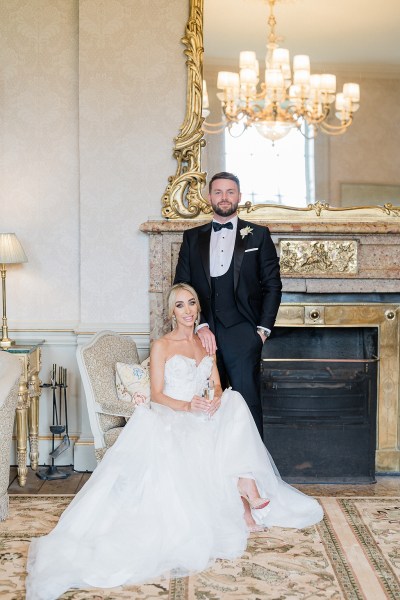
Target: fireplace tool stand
[{"x": 52, "y": 471}]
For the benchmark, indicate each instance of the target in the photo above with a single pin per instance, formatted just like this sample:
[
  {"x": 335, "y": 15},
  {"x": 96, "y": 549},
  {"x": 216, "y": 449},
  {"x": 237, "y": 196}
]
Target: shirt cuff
[
  {"x": 200, "y": 326},
  {"x": 264, "y": 330}
]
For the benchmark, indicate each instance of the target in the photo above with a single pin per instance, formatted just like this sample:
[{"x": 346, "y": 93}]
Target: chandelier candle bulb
[
  {"x": 301, "y": 62},
  {"x": 339, "y": 105},
  {"x": 248, "y": 77},
  {"x": 328, "y": 83},
  {"x": 301, "y": 77},
  {"x": 281, "y": 57},
  {"x": 315, "y": 82},
  {"x": 352, "y": 91},
  {"x": 226, "y": 79},
  {"x": 274, "y": 78},
  {"x": 247, "y": 59}
]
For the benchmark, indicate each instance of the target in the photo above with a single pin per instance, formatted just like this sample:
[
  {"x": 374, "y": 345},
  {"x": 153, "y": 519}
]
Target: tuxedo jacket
[{"x": 257, "y": 283}]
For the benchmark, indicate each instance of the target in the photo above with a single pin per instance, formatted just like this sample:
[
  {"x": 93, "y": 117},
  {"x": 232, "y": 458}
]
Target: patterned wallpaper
[
  {"x": 92, "y": 94},
  {"x": 39, "y": 160}
]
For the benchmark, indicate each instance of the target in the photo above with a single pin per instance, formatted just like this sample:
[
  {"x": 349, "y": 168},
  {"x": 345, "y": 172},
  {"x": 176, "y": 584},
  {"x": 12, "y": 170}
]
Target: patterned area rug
[{"x": 353, "y": 554}]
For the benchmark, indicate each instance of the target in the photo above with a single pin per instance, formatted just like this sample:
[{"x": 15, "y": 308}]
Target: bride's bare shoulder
[{"x": 160, "y": 346}]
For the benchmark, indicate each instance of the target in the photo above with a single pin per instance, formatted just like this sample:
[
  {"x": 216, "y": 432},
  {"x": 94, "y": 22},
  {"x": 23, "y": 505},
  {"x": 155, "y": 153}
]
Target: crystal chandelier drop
[{"x": 281, "y": 103}]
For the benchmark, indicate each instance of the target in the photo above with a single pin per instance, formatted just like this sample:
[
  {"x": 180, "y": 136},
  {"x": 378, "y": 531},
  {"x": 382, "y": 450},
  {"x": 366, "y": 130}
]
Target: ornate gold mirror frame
[{"x": 182, "y": 198}]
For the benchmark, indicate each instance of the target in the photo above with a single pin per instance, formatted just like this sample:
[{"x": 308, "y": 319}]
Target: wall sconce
[{"x": 11, "y": 252}]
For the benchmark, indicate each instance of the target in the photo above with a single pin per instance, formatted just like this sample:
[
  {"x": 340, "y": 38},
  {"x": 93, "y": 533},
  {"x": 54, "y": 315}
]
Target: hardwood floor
[
  {"x": 34, "y": 485},
  {"x": 385, "y": 485}
]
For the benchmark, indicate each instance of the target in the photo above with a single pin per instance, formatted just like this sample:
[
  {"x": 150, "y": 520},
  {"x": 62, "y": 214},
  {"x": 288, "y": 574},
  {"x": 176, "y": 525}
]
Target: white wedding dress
[{"x": 165, "y": 496}]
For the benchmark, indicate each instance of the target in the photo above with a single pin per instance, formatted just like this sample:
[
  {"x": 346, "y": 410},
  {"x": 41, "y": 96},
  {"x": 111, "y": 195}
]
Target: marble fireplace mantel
[{"x": 327, "y": 258}]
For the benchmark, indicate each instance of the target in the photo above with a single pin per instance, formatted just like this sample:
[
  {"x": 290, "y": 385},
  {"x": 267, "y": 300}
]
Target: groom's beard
[{"x": 226, "y": 211}]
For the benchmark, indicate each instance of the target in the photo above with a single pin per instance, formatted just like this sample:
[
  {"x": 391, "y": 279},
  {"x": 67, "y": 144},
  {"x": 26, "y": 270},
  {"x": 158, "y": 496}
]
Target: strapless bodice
[{"x": 183, "y": 378}]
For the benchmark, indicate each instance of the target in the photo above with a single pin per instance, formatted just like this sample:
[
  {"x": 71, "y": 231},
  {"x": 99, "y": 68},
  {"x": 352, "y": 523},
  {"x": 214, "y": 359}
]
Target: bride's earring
[
  {"x": 197, "y": 320},
  {"x": 173, "y": 321}
]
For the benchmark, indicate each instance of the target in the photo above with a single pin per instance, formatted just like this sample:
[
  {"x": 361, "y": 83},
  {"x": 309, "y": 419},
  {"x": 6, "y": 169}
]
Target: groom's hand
[
  {"x": 262, "y": 336},
  {"x": 207, "y": 339}
]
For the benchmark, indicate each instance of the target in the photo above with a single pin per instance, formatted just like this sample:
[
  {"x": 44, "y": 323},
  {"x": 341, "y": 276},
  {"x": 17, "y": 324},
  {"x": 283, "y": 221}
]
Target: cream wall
[{"x": 92, "y": 94}]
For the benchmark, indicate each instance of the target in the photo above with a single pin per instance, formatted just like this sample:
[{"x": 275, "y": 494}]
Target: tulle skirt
[{"x": 165, "y": 498}]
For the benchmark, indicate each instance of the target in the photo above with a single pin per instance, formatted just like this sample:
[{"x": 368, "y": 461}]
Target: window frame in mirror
[{"x": 183, "y": 199}]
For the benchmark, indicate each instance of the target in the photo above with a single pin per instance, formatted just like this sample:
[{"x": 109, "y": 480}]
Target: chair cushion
[{"x": 133, "y": 382}]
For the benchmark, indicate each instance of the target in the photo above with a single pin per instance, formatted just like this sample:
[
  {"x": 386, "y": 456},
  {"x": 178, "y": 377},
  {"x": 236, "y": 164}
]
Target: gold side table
[{"x": 27, "y": 415}]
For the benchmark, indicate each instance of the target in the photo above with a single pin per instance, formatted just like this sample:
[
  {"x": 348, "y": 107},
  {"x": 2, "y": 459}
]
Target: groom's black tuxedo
[{"x": 233, "y": 305}]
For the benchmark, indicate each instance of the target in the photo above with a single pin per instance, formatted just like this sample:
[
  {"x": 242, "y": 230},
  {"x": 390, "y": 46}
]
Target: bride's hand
[
  {"x": 199, "y": 404},
  {"x": 214, "y": 405}
]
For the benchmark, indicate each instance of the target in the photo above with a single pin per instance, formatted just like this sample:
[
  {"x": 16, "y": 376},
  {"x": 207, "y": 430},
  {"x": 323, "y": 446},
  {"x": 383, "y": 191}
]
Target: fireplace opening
[{"x": 319, "y": 395}]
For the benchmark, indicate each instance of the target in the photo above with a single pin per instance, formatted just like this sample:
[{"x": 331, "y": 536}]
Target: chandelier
[{"x": 281, "y": 103}]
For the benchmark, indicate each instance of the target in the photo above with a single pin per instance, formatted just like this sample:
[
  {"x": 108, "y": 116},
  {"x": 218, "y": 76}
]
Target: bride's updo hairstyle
[{"x": 172, "y": 297}]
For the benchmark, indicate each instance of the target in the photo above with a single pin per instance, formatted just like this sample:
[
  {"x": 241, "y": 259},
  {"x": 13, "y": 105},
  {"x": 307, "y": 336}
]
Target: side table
[{"x": 27, "y": 415}]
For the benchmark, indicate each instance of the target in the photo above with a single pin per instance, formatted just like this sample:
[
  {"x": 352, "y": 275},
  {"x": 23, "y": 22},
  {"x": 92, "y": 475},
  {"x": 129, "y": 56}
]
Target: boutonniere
[{"x": 245, "y": 231}]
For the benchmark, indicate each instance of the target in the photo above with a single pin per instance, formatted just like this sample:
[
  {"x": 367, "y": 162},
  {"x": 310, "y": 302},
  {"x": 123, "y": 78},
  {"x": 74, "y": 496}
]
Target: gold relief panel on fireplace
[{"x": 317, "y": 257}]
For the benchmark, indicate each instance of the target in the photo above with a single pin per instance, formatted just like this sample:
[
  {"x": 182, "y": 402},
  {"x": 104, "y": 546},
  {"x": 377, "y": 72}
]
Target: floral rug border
[{"x": 369, "y": 544}]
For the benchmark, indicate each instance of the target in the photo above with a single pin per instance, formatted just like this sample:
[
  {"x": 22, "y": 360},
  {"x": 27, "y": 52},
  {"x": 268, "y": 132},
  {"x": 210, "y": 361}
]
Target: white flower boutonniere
[{"x": 245, "y": 231}]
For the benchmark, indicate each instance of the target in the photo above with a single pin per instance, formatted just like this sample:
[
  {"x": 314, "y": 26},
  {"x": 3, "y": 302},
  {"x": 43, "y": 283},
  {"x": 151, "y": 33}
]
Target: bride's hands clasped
[{"x": 201, "y": 404}]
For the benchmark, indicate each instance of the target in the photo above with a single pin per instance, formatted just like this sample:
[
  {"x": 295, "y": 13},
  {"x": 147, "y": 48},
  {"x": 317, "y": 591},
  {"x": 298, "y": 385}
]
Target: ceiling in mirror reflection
[{"x": 359, "y": 31}]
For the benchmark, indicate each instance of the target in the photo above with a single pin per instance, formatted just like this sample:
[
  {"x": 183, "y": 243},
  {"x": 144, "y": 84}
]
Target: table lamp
[{"x": 11, "y": 252}]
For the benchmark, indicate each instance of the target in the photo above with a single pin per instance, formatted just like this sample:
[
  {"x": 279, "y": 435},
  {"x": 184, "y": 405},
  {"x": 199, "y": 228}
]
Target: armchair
[
  {"x": 10, "y": 371},
  {"x": 96, "y": 361}
]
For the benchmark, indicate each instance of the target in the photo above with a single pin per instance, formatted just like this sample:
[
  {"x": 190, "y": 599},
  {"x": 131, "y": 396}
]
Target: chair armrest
[{"x": 116, "y": 409}]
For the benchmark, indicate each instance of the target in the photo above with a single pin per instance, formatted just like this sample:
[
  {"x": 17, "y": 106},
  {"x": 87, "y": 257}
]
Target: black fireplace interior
[{"x": 319, "y": 394}]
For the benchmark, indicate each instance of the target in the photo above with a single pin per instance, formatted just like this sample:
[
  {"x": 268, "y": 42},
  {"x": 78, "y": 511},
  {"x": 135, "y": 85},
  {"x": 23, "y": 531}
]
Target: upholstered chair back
[
  {"x": 10, "y": 371},
  {"x": 97, "y": 361}
]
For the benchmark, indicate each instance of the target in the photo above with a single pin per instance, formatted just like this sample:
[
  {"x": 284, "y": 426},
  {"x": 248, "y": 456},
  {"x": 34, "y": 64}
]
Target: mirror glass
[{"x": 357, "y": 44}]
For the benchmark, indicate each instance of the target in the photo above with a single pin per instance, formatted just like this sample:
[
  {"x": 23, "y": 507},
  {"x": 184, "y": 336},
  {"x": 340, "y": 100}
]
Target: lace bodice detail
[{"x": 183, "y": 378}]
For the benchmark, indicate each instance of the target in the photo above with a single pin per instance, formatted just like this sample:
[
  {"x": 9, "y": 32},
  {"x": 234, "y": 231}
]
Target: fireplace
[
  {"x": 319, "y": 393},
  {"x": 336, "y": 289}
]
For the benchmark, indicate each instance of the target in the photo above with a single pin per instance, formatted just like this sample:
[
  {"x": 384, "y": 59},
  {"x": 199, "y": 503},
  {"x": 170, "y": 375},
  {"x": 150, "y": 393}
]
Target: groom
[{"x": 233, "y": 266}]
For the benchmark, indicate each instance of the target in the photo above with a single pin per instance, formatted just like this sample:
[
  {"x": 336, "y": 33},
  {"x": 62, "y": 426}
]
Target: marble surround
[{"x": 377, "y": 271}]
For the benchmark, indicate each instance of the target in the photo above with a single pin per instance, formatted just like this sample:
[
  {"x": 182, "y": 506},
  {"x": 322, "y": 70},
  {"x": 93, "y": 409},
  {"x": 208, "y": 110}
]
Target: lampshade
[{"x": 11, "y": 250}]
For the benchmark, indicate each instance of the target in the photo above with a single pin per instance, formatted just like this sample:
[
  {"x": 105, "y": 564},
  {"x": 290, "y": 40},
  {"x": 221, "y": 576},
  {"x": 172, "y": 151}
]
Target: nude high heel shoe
[{"x": 256, "y": 503}]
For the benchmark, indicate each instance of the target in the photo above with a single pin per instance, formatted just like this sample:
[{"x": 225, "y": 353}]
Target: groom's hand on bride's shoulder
[{"x": 207, "y": 339}]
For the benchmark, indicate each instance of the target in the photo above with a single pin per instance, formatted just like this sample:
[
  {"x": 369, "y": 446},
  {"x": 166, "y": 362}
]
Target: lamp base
[{"x": 6, "y": 343}]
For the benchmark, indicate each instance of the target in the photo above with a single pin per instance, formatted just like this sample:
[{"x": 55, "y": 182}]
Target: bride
[{"x": 182, "y": 486}]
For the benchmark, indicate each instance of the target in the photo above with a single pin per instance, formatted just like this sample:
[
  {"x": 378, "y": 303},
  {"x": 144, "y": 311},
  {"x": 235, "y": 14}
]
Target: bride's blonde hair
[{"x": 173, "y": 293}]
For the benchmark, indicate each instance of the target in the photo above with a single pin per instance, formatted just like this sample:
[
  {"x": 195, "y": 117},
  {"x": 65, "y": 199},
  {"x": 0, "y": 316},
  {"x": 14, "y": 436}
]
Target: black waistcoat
[{"x": 223, "y": 303}]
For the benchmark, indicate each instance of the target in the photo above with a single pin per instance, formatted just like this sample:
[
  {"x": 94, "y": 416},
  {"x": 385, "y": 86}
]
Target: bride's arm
[{"x": 158, "y": 356}]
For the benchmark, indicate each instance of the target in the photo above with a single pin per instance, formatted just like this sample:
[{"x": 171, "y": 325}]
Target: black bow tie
[{"x": 219, "y": 226}]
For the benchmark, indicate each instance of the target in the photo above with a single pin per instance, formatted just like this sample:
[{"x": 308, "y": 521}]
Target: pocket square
[{"x": 251, "y": 249}]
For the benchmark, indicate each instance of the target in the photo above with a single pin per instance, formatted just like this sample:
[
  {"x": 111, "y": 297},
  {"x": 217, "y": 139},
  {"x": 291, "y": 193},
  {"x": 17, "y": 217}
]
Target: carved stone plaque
[{"x": 315, "y": 257}]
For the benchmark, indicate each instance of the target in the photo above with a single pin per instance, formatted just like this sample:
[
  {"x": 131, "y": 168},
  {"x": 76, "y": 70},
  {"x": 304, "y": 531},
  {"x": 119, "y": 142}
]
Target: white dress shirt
[{"x": 222, "y": 244}]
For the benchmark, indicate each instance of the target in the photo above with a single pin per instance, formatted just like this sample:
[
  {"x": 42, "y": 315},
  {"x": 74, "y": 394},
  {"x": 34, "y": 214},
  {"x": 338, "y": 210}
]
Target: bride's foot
[
  {"x": 248, "y": 490},
  {"x": 256, "y": 528},
  {"x": 252, "y": 526},
  {"x": 255, "y": 503}
]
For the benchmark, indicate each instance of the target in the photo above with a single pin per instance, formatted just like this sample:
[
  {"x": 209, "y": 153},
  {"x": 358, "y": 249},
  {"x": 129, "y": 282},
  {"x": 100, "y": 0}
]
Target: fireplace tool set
[{"x": 57, "y": 428}]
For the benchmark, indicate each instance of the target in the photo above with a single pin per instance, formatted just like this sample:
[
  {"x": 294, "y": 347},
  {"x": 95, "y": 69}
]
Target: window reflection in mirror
[{"x": 280, "y": 173}]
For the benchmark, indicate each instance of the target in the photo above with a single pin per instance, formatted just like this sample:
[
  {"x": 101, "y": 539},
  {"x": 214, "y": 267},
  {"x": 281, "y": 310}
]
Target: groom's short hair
[{"x": 224, "y": 175}]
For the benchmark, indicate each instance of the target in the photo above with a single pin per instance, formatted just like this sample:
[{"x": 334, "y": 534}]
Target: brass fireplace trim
[{"x": 386, "y": 318}]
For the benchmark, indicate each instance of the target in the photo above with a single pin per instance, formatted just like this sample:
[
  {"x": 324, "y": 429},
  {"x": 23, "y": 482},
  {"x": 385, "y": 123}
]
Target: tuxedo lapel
[
  {"x": 204, "y": 248},
  {"x": 238, "y": 252}
]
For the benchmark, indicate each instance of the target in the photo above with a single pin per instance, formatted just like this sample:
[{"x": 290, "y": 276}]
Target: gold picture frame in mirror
[{"x": 183, "y": 197}]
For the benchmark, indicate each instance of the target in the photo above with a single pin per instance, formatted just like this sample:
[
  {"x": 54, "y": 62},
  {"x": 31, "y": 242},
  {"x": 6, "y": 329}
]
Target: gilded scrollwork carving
[
  {"x": 182, "y": 197},
  {"x": 313, "y": 257}
]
